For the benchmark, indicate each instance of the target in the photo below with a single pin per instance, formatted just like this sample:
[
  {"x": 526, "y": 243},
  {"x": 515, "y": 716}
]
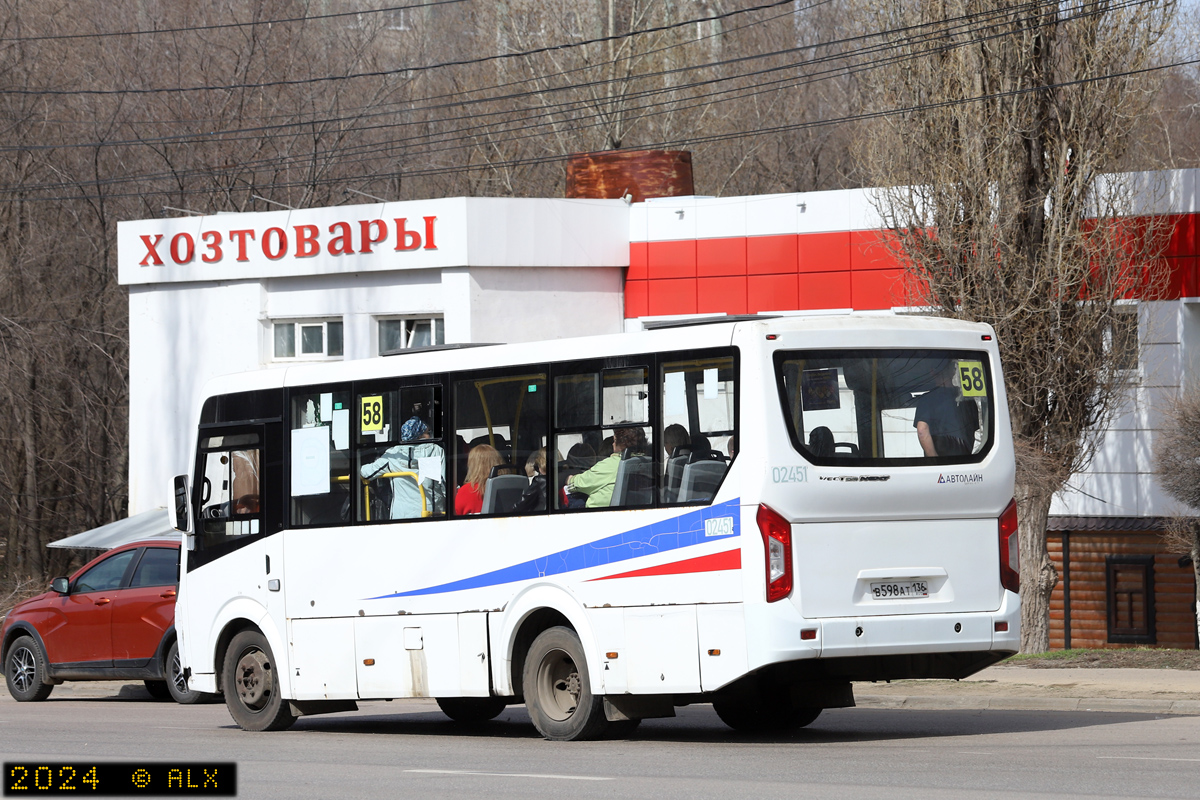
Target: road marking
[
  {"x": 509, "y": 774},
  {"x": 1144, "y": 758}
]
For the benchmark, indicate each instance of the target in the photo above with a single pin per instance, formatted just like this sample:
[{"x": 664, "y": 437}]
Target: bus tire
[
  {"x": 558, "y": 692},
  {"x": 471, "y": 709},
  {"x": 25, "y": 670},
  {"x": 252, "y": 685},
  {"x": 760, "y": 717}
]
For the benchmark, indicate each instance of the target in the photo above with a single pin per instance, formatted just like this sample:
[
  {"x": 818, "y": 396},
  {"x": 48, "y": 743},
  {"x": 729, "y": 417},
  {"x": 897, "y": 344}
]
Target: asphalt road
[{"x": 408, "y": 749}]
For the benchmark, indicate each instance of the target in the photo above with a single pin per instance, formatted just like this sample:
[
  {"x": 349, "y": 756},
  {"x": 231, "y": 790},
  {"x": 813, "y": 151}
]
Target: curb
[{"x": 935, "y": 703}]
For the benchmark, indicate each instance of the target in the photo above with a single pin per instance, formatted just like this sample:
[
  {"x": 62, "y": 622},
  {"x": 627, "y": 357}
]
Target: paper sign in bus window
[
  {"x": 971, "y": 379},
  {"x": 819, "y": 390},
  {"x": 310, "y": 461}
]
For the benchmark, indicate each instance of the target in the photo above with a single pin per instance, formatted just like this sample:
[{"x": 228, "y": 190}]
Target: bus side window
[
  {"x": 603, "y": 444},
  {"x": 320, "y": 456},
  {"x": 500, "y": 421},
  {"x": 699, "y": 402},
  {"x": 401, "y": 460}
]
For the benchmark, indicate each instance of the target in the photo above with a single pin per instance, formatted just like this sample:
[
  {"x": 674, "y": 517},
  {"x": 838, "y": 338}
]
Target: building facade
[{"x": 226, "y": 293}]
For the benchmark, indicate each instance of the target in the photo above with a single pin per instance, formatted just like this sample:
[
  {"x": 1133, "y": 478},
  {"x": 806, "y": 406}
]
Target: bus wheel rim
[
  {"x": 253, "y": 679},
  {"x": 559, "y": 685}
]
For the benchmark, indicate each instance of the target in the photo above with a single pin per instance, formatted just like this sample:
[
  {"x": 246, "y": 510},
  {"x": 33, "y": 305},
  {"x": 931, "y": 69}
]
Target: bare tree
[
  {"x": 1011, "y": 114},
  {"x": 1177, "y": 462}
]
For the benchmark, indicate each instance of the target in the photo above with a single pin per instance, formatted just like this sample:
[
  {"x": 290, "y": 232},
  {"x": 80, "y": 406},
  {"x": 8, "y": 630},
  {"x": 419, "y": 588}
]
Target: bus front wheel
[
  {"x": 558, "y": 692},
  {"x": 252, "y": 686}
]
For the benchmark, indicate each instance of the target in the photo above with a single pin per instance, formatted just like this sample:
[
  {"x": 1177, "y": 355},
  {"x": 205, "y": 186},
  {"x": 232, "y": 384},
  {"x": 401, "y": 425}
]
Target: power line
[
  {"x": 388, "y": 72},
  {"x": 223, "y": 25},
  {"x": 691, "y": 140},
  {"x": 224, "y": 136},
  {"x": 921, "y": 34}
]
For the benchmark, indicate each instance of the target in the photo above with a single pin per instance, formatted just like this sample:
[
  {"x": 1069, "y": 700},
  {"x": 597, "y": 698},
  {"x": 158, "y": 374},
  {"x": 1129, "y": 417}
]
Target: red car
[{"x": 114, "y": 619}]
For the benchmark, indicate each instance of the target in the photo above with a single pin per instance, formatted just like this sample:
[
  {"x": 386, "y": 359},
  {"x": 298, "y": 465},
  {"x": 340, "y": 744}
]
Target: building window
[
  {"x": 402, "y": 334},
  {"x": 307, "y": 339},
  {"x": 1130, "y": 599}
]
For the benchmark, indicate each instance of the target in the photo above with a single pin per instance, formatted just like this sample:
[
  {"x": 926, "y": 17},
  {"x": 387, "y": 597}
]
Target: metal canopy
[{"x": 155, "y": 524}]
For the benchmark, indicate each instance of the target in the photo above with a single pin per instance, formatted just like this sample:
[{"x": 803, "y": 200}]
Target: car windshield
[{"x": 893, "y": 407}]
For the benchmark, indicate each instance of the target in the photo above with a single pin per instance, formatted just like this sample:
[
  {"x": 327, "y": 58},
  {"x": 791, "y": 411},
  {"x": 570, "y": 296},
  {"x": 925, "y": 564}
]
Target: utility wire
[
  {"x": 222, "y": 25},
  {"x": 740, "y": 92},
  {"x": 687, "y": 141},
  {"x": 389, "y": 72},
  {"x": 225, "y": 136}
]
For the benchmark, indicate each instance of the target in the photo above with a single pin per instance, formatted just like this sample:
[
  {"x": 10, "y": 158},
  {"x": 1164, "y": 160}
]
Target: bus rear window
[{"x": 887, "y": 407}]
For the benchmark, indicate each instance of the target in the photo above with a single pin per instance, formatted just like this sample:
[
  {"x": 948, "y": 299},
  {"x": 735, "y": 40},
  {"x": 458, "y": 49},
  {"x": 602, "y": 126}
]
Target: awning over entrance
[{"x": 153, "y": 524}]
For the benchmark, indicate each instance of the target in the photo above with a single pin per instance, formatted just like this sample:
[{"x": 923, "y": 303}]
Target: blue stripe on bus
[{"x": 686, "y": 530}]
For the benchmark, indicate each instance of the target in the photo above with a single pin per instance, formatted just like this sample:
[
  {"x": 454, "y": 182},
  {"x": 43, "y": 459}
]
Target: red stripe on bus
[{"x": 717, "y": 562}]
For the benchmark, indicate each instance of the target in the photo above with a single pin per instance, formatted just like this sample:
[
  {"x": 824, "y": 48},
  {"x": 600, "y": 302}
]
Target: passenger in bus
[
  {"x": 820, "y": 442},
  {"x": 405, "y": 457},
  {"x": 533, "y": 499},
  {"x": 580, "y": 458},
  {"x": 480, "y": 461},
  {"x": 598, "y": 482},
  {"x": 733, "y": 447},
  {"x": 674, "y": 437},
  {"x": 945, "y": 422}
]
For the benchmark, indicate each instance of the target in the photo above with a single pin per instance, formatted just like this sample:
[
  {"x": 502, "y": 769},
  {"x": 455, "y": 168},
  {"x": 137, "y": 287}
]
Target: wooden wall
[{"x": 1174, "y": 589}]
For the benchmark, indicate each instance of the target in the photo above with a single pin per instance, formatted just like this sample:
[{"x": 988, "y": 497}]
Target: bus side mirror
[{"x": 182, "y": 518}]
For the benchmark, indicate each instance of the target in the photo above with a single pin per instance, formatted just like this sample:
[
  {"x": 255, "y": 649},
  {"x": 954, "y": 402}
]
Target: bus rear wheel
[
  {"x": 756, "y": 715},
  {"x": 251, "y": 685},
  {"x": 557, "y": 688},
  {"x": 471, "y": 709}
]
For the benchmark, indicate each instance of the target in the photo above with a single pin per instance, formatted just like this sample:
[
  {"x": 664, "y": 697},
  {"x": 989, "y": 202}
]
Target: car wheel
[
  {"x": 158, "y": 690},
  {"x": 471, "y": 709},
  {"x": 24, "y": 671},
  {"x": 558, "y": 692},
  {"x": 251, "y": 685},
  {"x": 177, "y": 683}
]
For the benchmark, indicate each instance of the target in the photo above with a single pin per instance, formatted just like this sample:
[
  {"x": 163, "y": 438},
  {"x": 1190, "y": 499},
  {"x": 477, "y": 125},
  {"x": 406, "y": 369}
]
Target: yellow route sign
[
  {"x": 971, "y": 378},
  {"x": 372, "y": 414}
]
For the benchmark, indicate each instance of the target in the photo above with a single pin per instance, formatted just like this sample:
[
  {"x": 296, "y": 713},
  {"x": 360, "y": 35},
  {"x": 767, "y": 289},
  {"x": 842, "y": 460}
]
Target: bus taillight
[
  {"x": 777, "y": 540},
  {"x": 1010, "y": 558}
]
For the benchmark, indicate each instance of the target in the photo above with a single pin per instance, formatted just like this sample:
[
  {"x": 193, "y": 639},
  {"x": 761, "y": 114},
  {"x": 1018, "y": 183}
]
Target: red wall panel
[
  {"x": 675, "y": 296},
  {"x": 824, "y": 252},
  {"x": 771, "y": 293},
  {"x": 636, "y": 299},
  {"x": 767, "y": 255},
  {"x": 716, "y": 295},
  {"x": 868, "y": 250},
  {"x": 876, "y": 289},
  {"x": 824, "y": 290},
  {"x": 639, "y": 255},
  {"x": 672, "y": 259},
  {"x": 716, "y": 257}
]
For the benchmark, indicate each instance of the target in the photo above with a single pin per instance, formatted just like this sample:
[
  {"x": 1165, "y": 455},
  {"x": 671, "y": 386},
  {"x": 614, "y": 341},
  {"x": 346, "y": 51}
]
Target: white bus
[{"x": 750, "y": 512}]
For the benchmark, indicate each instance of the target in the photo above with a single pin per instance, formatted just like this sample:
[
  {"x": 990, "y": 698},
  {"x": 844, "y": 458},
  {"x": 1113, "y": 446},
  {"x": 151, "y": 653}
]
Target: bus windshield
[{"x": 887, "y": 407}]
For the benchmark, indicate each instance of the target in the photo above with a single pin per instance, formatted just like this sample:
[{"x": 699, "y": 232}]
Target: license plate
[{"x": 900, "y": 590}]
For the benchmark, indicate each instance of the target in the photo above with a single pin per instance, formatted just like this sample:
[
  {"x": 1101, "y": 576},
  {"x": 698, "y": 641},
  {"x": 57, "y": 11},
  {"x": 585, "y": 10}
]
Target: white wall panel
[{"x": 720, "y": 218}]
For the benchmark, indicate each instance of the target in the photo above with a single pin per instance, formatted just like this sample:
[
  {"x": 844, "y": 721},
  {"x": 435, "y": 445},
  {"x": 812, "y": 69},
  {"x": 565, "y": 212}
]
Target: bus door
[{"x": 238, "y": 505}]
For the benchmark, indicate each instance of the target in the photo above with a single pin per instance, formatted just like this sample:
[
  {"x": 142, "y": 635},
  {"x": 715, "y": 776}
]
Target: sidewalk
[
  {"x": 1144, "y": 691},
  {"x": 1150, "y": 691}
]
